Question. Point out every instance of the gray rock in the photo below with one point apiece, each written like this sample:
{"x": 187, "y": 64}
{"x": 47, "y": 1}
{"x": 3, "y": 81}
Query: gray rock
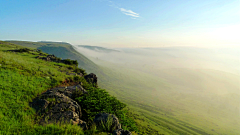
{"x": 72, "y": 91}
{"x": 121, "y": 132}
{"x": 103, "y": 118}
{"x": 56, "y": 106}
{"x": 50, "y": 58}
{"x": 91, "y": 78}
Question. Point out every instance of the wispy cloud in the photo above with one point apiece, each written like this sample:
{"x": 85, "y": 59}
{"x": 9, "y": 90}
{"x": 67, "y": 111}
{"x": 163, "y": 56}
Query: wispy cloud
{"x": 129, "y": 12}
{"x": 134, "y": 15}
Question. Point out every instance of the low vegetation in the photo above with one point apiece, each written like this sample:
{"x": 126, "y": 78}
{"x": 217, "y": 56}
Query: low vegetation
{"x": 23, "y": 77}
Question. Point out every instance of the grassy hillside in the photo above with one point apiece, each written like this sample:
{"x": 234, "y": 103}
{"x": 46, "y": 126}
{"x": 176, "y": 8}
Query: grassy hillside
{"x": 142, "y": 123}
{"x": 164, "y": 102}
{"x": 23, "y": 77}
{"x": 175, "y": 100}
{"x": 174, "y": 111}
{"x": 62, "y": 50}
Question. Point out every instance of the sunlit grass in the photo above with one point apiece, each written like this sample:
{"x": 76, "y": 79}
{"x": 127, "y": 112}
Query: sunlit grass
{"x": 23, "y": 77}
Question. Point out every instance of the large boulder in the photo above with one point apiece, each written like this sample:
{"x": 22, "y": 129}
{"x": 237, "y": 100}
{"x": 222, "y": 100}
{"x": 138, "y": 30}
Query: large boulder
{"x": 91, "y": 78}
{"x": 107, "y": 120}
{"x": 56, "y": 106}
{"x": 72, "y": 91}
{"x": 121, "y": 132}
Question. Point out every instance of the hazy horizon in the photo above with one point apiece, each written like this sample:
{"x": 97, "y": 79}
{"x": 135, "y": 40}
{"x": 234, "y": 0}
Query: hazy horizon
{"x": 115, "y": 23}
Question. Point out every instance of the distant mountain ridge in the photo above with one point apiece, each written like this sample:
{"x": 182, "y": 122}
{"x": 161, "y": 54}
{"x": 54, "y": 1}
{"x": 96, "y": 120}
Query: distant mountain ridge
{"x": 98, "y": 48}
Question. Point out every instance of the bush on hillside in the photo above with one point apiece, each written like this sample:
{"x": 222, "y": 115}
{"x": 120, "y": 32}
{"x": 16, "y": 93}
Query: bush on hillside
{"x": 24, "y": 50}
{"x": 79, "y": 70}
{"x": 99, "y": 101}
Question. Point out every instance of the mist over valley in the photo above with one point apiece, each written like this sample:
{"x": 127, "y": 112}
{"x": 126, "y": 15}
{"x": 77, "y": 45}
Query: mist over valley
{"x": 199, "y": 86}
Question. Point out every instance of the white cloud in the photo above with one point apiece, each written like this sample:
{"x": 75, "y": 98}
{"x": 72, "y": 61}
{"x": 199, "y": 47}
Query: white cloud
{"x": 134, "y": 15}
{"x": 129, "y": 12}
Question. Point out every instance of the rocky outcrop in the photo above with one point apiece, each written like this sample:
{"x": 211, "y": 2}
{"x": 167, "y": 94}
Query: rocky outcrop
{"x": 57, "y": 106}
{"x": 121, "y": 132}
{"x": 91, "y": 78}
{"x": 105, "y": 118}
{"x": 49, "y": 58}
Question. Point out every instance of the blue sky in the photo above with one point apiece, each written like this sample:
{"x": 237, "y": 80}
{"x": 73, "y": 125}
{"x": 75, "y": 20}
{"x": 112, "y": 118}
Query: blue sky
{"x": 122, "y": 23}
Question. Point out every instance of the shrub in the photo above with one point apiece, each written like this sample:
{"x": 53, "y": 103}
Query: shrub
{"x": 70, "y": 62}
{"x": 98, "y": 101}
{"x": 24, "y": 50}
{"x": 79, "y": 70}
{"x": 106, "y": 126}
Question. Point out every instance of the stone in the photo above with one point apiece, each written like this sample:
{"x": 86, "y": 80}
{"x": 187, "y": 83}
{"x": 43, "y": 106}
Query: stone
{"x": 57, "y": 106}
{"x": 102, "y": 118}
{"x": 72, "y": 91}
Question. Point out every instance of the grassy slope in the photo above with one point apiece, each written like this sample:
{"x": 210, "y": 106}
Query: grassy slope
{"x": 115, "y": 81}
{"x": 22, "y": 78}
{"x": 67, "y": 51}
{"x": 182, "y": 113}
{"x": 165, "y": 117}
{"x": 140, "y": 95}
{"x": 64, "y": 51}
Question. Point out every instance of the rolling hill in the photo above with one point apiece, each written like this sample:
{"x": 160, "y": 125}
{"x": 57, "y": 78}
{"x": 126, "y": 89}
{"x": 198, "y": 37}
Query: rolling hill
{"x": 175, "y": 100}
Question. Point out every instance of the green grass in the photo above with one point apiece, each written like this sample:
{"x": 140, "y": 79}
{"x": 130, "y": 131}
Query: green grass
{"x": 16, "y": 117}
{"x": 23, "y": 77}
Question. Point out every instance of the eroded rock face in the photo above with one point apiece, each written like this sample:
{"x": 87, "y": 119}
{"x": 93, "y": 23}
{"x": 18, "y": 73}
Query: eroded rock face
{"x": 121, "y": 132}
{"x": 57, "y": 106}
{"x": 102, "y": 118}
{"x": 91, "y": 78}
